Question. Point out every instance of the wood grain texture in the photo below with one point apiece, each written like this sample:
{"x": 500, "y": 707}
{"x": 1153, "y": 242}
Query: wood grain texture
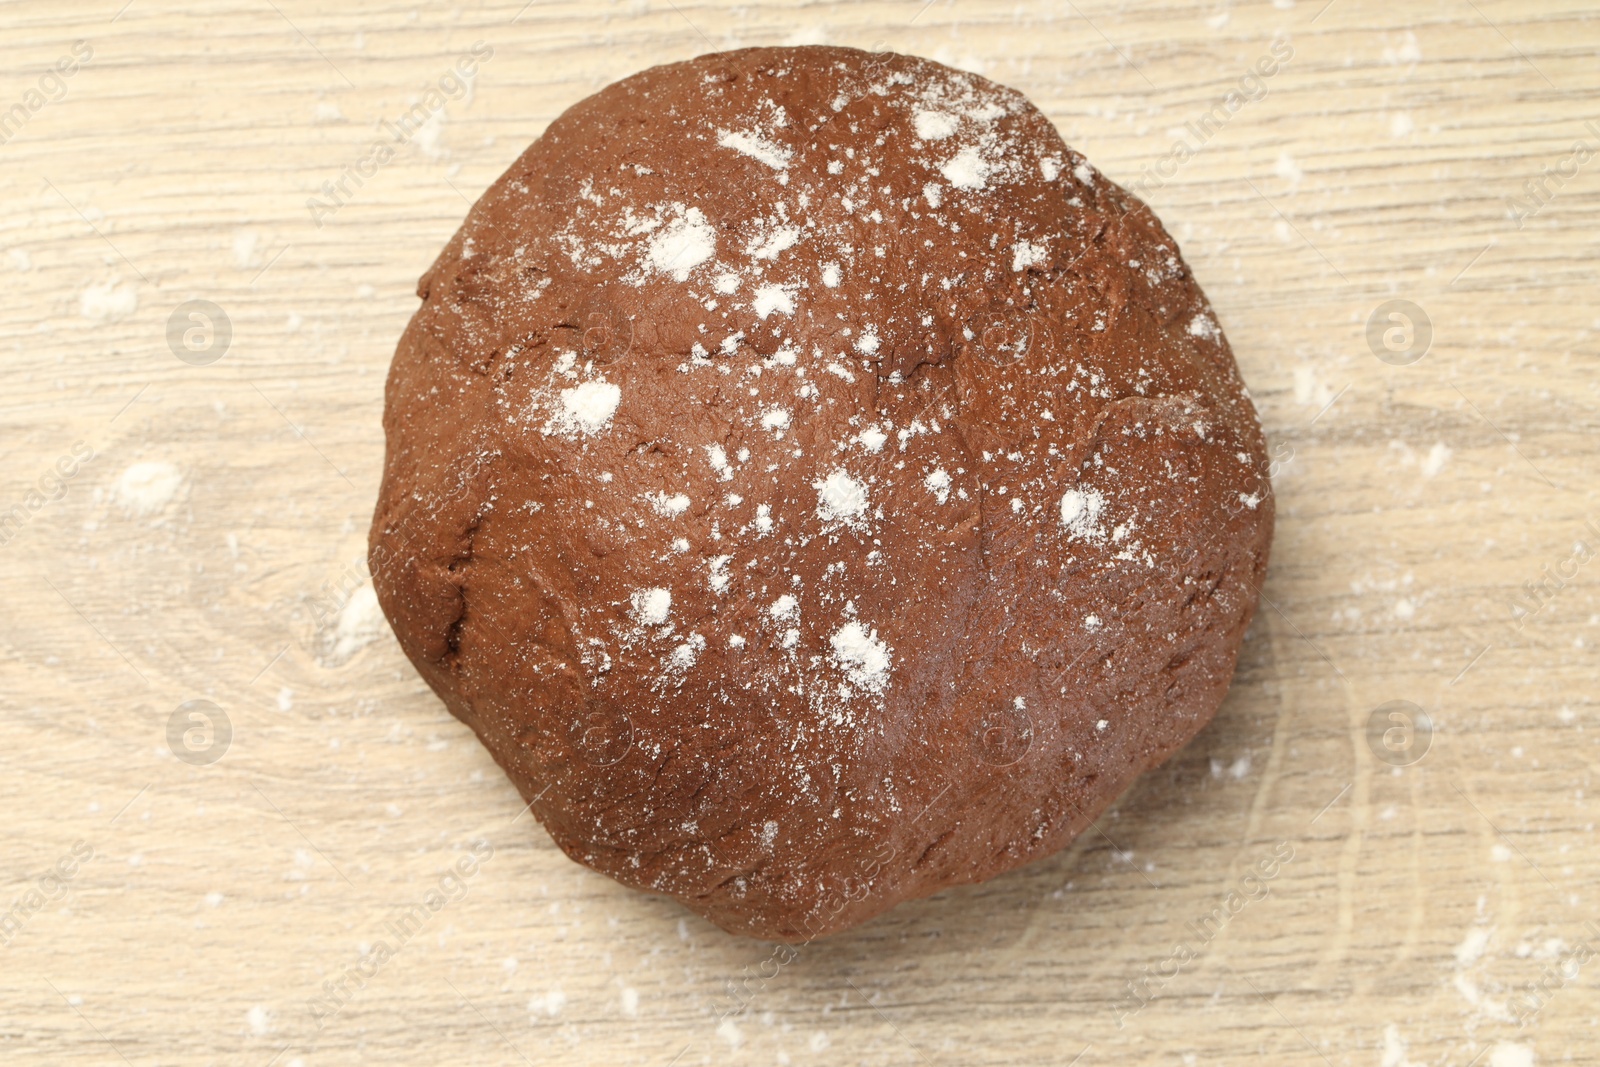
{"x": 1422, "y": 904}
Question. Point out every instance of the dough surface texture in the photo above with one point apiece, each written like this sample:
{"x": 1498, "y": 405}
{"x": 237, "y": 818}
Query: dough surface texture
{"x": 817, "y": 485}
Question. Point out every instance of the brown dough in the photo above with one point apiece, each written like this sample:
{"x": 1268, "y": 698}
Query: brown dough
{"x": 817, "y": 485}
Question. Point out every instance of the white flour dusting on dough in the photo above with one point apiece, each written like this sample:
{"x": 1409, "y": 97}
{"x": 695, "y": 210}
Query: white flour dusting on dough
{"x": 1080, "y": 513}
{"x": 840, "y": 497}
{"x": 865, "y": 658}
{"x": 685, "y": 243}
{"x": 588, "y": 408}
{"x": 651, "y": 606}
{"x": 756, "y": 147}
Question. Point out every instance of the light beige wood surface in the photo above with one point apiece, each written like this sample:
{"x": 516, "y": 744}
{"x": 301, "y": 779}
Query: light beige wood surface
{"x": 224, "y": 509}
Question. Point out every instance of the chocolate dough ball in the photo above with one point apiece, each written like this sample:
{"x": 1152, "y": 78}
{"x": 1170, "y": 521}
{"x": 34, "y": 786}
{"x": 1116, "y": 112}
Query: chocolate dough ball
{"x": 817, "y": 485}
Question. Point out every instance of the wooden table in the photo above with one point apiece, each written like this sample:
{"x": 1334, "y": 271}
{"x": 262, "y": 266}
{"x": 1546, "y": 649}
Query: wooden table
{"x": 207, "y": 544}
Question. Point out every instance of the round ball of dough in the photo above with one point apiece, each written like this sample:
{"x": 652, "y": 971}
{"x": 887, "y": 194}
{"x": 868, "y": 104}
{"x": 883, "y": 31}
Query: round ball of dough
{"x": 817, "y": 485}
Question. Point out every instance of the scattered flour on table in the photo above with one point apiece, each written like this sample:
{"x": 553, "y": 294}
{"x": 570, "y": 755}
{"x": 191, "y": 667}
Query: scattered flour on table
{"x": 1436, "y": 459}
{"x": 1511, "y": 1054}
{"x": 547, "y": 1004}
{"x": 359, "y": 623}
{"x": 1472, "y": 946}
{"x": 244, "y": 249}
{"x": 147, "y": 488}
{"x": 429, "y": 137}
{"x": 1394, "y": 1049}
{"x": 109, "y": 301}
